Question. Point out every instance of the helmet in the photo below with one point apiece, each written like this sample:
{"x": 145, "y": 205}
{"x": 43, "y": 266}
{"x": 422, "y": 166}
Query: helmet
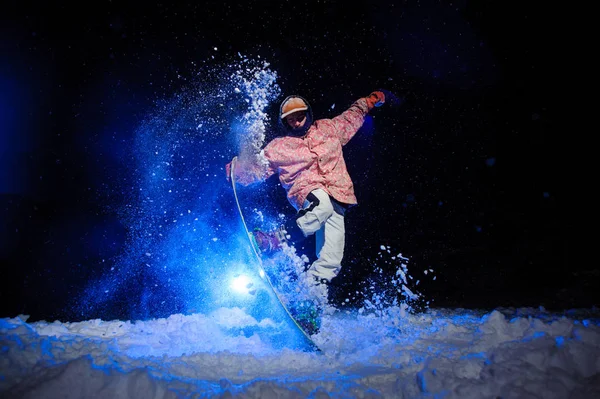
{"x": 290, "y": 105}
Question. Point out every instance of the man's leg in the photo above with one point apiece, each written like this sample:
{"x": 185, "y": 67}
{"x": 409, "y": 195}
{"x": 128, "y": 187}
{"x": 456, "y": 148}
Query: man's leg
{"x": 317, "y": 209}
{"x": 325, "y": 217}
{"x": 330, "y": 242}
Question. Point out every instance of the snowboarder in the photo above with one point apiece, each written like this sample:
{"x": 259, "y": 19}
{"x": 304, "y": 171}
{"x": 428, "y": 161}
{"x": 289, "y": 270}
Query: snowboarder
{"x": 312, "y": 170}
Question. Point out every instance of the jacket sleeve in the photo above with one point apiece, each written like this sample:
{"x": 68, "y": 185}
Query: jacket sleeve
{"x": 347, "y": 124}
{"x": 252, "y": 169}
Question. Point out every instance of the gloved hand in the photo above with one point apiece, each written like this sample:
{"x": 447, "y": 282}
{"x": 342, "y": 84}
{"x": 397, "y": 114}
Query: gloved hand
{"x": 375, "y": 99}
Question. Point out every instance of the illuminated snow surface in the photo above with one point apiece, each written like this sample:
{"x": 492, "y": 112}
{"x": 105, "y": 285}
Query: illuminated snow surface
{"x": 451, "y": 353}
{"x": 220, "y": 348}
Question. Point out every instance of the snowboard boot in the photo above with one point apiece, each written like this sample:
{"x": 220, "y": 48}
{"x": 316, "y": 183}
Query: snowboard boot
{"x": 307, "y": 315}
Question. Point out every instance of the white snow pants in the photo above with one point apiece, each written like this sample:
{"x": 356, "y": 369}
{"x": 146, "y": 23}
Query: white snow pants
{"x": 327, "y": 221}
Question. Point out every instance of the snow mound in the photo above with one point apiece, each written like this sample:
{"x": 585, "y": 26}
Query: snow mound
{"x": 450, "y": 353}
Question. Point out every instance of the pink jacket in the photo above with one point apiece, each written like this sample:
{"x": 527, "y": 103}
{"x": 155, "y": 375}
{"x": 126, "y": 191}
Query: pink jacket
{"x": 312, "y": 161}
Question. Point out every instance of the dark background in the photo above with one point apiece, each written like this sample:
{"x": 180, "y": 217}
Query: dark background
{"x": 466, "y": 177}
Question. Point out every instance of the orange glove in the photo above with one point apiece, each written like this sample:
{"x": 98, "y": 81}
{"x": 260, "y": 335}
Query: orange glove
{"x": 375, "y": 99}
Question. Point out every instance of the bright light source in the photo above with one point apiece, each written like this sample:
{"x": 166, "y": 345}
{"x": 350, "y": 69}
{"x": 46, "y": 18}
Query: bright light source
{"x": 241, "y": 283}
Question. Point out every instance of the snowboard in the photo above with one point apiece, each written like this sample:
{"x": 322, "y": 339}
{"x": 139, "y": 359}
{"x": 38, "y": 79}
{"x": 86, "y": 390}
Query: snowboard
{"x": 304, "y": 316}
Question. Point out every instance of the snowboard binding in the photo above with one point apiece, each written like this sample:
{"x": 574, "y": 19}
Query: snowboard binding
{"x": 308, "y": 316}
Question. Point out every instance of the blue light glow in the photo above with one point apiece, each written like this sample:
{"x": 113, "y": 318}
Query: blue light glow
{"x": 241, "y": 284}
{"x": 184, "y": 237}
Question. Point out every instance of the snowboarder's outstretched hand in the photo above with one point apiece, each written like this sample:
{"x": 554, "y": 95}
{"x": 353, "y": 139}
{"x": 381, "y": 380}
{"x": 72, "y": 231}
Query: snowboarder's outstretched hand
{"x": 375, "y": 99}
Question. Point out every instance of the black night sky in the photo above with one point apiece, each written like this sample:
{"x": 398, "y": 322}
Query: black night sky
{"x": 462, "y": 177}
